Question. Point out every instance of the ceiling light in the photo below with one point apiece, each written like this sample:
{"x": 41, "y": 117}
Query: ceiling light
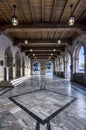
{"x": 33, "y": 54}
{"x": 31, "y": 50}
{"x": 26, "y": 41}
{"x": 54, "y": 49}
{"x": 71, "y": 20}
{"x": 59, "y": 41}
{"x": 51, "y": 54}
{"x": 14, "y": 17}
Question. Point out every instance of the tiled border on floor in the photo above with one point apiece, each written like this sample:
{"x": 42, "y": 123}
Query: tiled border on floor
{"x": 35, "y": 116}
{"x": 6, "y": 90}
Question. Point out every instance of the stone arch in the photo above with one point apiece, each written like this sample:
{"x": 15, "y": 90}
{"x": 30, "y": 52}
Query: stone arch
{"x": 8, "y": 64}
{"x": 18, "y": 64}
{"x": 68, "y": 60}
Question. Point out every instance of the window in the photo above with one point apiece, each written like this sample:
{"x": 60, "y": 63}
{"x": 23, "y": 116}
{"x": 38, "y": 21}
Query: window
{"x": 36, "y": 67}
{"x": 80, "y": 60}
{"x": 49, "y": 68}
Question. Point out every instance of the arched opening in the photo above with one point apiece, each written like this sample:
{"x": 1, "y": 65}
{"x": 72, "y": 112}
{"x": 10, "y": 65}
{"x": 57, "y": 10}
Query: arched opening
{"x": 9, "y": 64}
{"x": 36, "y": 68}
{"x": 68, "y": 66}
{"x": 23, "y": 66}
{"x": 18, "y": 65}
{"x": 80, "y": 59}
{"x": 49, "y": 68}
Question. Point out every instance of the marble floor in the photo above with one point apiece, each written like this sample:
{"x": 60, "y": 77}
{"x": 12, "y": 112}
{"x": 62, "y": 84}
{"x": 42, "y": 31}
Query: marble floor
{"x": 43, "y": 98}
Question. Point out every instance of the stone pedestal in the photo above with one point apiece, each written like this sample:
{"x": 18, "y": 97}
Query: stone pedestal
{"x": 6, "y": 84}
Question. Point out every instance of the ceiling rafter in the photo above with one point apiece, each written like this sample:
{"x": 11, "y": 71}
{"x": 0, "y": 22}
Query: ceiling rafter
{"x": 42, "y": 57}
{"x": 42, "y": 10}
{"x": 32, "y": 10}
{"x": 21, "y": 10}
{"x": 53, "y": 11}
{"x": 66, "y": 4}
{"x": 36, "y": 49}
{"x": 81, "y": 15}
{"x": 77, "y": 6}
{"x": 48, "y": 35}
{"x": 3, "y": 15}
{"x": 60, "y": 34}
{"x": 43, "y": 28}
{"x": 7, "y": 3}
{"x": 54, "y": 34}
{"x": 31, "y": 41}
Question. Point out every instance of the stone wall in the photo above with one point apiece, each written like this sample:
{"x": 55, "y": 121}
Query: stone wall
{"x": 79, "y": 78}
{"x": 6, "y": 42}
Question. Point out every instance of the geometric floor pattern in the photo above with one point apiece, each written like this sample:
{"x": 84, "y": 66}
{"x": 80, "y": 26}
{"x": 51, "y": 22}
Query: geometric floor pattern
{"x": 43, "y": 103}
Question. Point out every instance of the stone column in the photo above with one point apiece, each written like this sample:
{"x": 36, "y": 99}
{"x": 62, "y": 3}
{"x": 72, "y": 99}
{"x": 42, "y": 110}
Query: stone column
{"x": 85, "y": 69}
{"x": 71, "y": 67}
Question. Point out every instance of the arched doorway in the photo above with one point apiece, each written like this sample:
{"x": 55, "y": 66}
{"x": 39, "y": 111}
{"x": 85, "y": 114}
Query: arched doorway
{"x": 49, "y": 68}
{"x": 68, "y": 66}
{"x": 8, "y": 64}
{"x": 36, "y": 68}
{"x": 18, "y": 64}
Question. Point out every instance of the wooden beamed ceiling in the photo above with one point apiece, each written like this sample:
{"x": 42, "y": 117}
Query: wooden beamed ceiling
{"x": 45, "y": 21}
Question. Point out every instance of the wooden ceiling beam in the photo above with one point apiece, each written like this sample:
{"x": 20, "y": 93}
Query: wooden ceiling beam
{"x": 32, "y": 10}
{"x": 31, "y": 41}
{"x": 46, "y": 55}
{"x": 21, "y": 10}
{"x": 42, "y": 45}
{"x": 43, "y": 57}
{"x": 42, "y": 54}
{"x": 4, "y": 17}
{"x": 7, "y": 3}
{"x": 49, "y": 50}
{"x": 42, "y": 10}
{"x": 42, "y": 28}
{"x": 81, "y": 14}
{"x": 78, "y": 7}
{"x": 53, "y": 11}
{"x": 40, "y": 49}
{"x": 65, "y": 7}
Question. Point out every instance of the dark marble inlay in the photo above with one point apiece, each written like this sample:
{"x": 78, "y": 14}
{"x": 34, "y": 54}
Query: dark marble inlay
{"x": 43, "y": 105}
{"x": 5, "y": 90}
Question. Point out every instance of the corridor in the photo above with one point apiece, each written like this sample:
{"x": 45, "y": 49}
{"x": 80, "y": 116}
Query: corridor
{"x": 49, "y": 98}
